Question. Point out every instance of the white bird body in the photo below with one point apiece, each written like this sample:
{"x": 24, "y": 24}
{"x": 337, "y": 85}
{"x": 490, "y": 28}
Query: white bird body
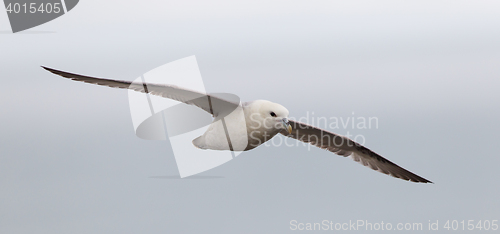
{"x": 215, "y": 137}
{"x": 248, "y": 126}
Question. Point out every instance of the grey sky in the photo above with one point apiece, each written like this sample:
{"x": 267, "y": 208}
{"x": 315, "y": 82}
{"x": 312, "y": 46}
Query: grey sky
{"x": 428, "y": 70}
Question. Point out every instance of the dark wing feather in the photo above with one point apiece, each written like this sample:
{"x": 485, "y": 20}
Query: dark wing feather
{"x": 209, "y": 103}
{"x": 348, "y": 148}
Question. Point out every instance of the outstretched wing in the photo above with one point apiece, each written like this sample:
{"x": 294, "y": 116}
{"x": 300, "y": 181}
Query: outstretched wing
{"x": 207, "y": 102}
{"x": 346, "y": 147}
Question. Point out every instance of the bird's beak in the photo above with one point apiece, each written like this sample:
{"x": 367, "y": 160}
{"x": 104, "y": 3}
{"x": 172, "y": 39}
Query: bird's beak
{"x": 286, "y": 125}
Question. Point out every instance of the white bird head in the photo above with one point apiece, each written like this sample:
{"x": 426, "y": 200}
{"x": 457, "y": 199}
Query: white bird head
{"x": 271, "y": 115}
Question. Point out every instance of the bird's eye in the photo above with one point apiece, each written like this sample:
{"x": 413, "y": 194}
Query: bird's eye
{"x": 273, "y": 114}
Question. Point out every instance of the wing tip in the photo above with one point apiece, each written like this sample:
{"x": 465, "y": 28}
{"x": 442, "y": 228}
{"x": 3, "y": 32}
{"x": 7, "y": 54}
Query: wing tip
{"x": 64, "y": 74}
{"x": 47, "y": 68}
{"x": 54, "y": 71}
{"x": 425, "y": 181}
{"x": 420, "y": 180}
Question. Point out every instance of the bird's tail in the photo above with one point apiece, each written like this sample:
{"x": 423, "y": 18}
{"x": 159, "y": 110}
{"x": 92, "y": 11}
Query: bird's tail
{"x": 199, "y": 142}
